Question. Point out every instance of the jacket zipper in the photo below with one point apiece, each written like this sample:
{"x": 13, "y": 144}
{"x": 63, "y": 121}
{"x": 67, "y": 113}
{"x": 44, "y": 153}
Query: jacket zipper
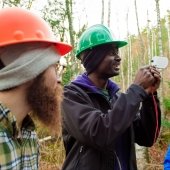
{"x": 120, "y": 167}
{"x": 80, "y": 152}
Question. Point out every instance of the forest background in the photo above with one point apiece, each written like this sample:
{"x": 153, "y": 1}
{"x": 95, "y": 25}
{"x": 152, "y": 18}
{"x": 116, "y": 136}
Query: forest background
{"x": 150, "y": 39}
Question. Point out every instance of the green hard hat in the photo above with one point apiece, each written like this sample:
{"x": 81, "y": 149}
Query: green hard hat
{"x": 97, "y": 35}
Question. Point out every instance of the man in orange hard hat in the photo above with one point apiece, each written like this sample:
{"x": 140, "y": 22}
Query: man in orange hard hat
{"x": 28, "y": 85}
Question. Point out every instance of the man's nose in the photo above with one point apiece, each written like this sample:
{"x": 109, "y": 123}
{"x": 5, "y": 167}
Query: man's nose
{"x": 59, "y": 78}
{"x": 118, "y": 58}
{"x": 60, "y": 74}
{"x": 59, "y": 81}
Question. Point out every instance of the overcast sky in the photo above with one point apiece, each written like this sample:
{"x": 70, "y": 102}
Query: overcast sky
{"x": 89, "y": 11}
{"x": 119, "y": 11}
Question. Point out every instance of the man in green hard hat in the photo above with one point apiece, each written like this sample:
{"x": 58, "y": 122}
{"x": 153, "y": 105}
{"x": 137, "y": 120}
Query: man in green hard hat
{"x": 101, "y": 124}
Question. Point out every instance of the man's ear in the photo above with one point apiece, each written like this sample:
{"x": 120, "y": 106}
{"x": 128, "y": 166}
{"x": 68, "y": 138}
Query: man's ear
{"x": 82, "y": 54}
{"x": 81, "y": 57}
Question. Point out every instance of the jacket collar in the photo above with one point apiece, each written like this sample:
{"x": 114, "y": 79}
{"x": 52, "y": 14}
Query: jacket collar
{"x": 84, "y": 81}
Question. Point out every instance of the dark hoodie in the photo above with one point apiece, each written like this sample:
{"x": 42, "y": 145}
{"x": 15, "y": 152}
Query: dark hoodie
{"x": 122, "y": 149}
{"x": 106, "y": 128}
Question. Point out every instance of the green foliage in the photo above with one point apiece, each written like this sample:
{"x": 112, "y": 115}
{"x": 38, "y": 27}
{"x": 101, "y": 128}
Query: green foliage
{"x": 168, "y": 83}
{"x": 165, "y": 135}
{"x": 166, "y": 102}
{"x": 72, "y": 70}
{"x": 18, "y": 3}
{"x": 67, "y": 76}
{"x": 165, "y": 123}
{"x": 15, "y": 2}
{"x": 55, "y": 15}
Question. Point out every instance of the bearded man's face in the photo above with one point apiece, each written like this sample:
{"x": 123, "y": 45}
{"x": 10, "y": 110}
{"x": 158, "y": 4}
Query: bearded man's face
{"x": 44, "y": 97}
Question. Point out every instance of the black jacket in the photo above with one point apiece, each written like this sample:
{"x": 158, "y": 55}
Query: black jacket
{"x": 92, "y": 125}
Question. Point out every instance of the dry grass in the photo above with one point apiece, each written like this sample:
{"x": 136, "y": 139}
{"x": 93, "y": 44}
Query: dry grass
{"x": 52, "y": 154}
{"x": 153, "y": 167}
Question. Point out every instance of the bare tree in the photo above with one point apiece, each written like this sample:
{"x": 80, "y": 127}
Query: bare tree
{"x": 159, "y": 28}
{"x": 160, "y": 46}
{"x": 102, "y": 17}
{"x": 69, "y": 6}
{"x": 142, "y": 48}
{"x": 154, "y": 47}
{"x": 149, "y": 37}
{"x": 168, "y": 29}
{"x": 129, "y": 51}
{"x": 69, "y": 13}
{"x": 109, "y": 12}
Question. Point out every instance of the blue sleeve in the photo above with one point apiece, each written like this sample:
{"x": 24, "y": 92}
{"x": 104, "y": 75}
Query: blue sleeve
{"x": 167, "y": 160}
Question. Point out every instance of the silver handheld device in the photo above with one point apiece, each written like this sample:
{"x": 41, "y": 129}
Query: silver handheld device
{"x": 159, "y": 62}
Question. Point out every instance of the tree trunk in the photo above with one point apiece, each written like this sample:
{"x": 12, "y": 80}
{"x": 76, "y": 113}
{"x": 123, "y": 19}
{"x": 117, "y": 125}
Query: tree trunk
{"x": 149, "y": 39}
{"x": 109, "y": 13}
{"x": 69, "y": 13}
{"x": 154, "y": 47}
{"x": 160, "y": 46}
{"x": 159, "y": 29}
{"x": 142, "y": 49}
{"x": 70, "y": 20}
{"x": 168, "y": 29}
{"x": 102, "y": 17}
{"x": 129, "y": 50}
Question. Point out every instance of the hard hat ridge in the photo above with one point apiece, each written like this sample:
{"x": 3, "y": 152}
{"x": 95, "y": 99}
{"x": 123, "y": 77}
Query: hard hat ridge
{"x": 18, "y": 25}
{"x": 97, "y": 35}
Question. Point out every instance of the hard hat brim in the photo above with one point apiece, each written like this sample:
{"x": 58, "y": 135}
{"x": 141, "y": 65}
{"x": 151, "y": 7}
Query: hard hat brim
{"x": 61, "y": 48}
{"x": 119, "y": 44}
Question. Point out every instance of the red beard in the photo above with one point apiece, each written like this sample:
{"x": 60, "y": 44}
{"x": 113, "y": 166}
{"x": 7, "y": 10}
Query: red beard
{"x": 45, "y": 102}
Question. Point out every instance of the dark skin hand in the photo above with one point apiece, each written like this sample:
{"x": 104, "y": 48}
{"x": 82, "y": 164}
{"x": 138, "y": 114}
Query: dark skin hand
{"x": 149, "y": 78}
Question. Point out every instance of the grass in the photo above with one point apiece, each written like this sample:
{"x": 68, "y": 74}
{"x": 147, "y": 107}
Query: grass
{"x": 52, "y": 154}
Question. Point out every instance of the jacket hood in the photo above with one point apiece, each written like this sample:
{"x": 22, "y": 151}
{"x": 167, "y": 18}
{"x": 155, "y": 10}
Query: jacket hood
{"x": 84, "y": 81}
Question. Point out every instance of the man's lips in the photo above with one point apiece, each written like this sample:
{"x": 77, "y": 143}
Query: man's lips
{"x": 116, "y": 66}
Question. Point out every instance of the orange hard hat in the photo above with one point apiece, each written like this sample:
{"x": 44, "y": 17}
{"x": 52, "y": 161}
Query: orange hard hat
{"x": 19, "y": 25}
